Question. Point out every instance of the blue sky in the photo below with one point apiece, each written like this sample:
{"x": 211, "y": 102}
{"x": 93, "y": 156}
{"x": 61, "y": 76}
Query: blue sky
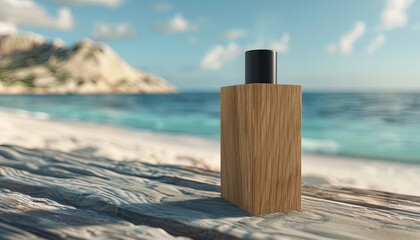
{"x": 323, "y": 45}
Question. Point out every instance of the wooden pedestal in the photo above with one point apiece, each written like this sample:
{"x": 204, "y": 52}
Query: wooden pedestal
{"x": 261, "y": 147}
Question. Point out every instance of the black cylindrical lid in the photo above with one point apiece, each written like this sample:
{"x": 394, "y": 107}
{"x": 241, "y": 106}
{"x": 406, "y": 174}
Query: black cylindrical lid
{"x": 261, "y": 66}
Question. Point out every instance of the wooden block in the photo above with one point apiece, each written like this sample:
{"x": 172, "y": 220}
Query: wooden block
{"x": 261, "y": 147}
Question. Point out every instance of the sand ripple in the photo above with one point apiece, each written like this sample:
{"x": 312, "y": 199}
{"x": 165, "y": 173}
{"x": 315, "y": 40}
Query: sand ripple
{"x": 51, "y": 194}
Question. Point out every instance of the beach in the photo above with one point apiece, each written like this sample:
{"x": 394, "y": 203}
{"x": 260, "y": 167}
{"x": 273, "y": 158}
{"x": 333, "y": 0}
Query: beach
{"x": 65, "y": 179}
{"x": 37, "y": 131}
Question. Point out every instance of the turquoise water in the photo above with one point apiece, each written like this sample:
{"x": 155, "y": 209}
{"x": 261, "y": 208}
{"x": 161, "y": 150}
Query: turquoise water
{"x": 371, "y": 125}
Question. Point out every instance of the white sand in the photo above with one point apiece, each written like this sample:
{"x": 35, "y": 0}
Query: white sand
{"x": 36, "y": 131}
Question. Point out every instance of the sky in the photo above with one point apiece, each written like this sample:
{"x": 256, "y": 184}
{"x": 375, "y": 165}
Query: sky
{"x": 324, "y": 45}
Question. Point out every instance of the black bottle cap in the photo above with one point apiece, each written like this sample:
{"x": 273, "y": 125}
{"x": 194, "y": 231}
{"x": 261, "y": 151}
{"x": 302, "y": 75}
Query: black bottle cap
{"x": 261, "y": 66}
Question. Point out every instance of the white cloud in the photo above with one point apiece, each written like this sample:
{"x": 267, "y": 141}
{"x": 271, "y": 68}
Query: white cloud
{"x": 235, "y": 34}
{"x": 7, "y": 28}
{"x": 376, "y": 43}
{"x": 177, "y": 24}
{"x": 346, "y": 42}
{"x": 108, "y": 3}
{"x": 281, "y": 46}
{"x": 162, "y": 7}
{"x": 394, "y": 15}
{"x": 28, "y": 13}
{"x": 217, "y": 56}
{"x": 104, "y": 31}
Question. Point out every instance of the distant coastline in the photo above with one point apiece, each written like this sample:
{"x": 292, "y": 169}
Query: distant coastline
{"x": 175, "y": 91}
{"x": 31, "y": 65}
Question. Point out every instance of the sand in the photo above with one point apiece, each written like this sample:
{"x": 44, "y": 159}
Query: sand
{"x": 35, "y": 130}
{"x": 55, "y": 195}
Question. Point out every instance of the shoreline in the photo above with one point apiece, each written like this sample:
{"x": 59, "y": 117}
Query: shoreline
{"x": 120, "y": 144}
{"x": 45, "y": 116}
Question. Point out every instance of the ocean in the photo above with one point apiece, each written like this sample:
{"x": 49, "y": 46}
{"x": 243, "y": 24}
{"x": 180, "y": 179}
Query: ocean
{"x": 369, "y": 125}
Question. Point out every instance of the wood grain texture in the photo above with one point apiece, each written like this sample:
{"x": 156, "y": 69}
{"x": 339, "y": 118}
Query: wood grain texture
{"x": 47, "y": 194}
{"x": 261, "y": 147}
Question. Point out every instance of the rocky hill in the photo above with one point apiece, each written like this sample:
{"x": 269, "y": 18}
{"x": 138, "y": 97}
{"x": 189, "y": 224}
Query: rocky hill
{"x": 29, "y": 64}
